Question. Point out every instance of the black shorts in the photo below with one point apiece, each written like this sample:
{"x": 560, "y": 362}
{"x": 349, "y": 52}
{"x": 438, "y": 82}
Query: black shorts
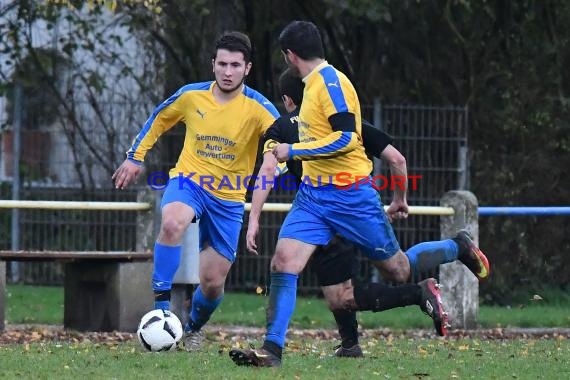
{"x": 335, "y": 262}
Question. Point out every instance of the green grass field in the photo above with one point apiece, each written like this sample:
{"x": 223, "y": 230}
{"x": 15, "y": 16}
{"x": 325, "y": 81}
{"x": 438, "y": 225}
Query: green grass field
{"x": 397, "y": 358}
{"x": 32, "y": 304}
{"x": 391, "y": 356}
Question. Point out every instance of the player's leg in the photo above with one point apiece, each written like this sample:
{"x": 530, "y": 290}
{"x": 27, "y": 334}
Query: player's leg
{"x": 179, "y": 206}
{"x": 355, "y": 296}
{"x": 371, "y": 230}
{"x": 220, "y": 226}
{"x": 302, "y": 230}
{"x": 289, "y": 259}
{"x": 214, "y": 269}
{"x": 334, "y": 265}
{"x": 427, "y": 256}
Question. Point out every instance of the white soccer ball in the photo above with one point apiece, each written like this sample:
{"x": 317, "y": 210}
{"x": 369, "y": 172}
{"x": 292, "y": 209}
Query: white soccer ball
{"x": 159, "y": 330}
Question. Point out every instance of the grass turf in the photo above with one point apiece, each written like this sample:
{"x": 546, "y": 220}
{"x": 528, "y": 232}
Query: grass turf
{"x": 398, "y": 358}
{"x": 37, "y": 304}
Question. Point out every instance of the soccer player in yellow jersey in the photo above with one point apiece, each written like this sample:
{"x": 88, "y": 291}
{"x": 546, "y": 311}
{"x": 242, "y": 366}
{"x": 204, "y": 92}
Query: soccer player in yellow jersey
{"x": 337, "y": 197}
{"x": 224, "y": 121}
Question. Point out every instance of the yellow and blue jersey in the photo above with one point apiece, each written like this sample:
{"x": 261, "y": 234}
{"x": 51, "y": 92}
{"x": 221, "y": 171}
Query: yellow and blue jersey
{"x": 327, "y": 153}
{"x": 221, "y": 140}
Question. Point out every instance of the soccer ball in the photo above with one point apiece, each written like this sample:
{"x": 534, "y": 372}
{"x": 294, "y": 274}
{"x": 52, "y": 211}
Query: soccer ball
{"x": 159, "y": 330}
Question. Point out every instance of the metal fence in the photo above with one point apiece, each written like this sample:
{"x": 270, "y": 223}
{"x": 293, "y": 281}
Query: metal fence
{"x": 66, "y": 230}
{"x": 433, "y": 139}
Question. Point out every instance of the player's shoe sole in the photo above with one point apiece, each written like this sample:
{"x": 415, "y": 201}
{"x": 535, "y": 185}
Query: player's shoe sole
{"x": 431, "y": 305}
{"x": 472, "y": 257}
{"x": 254, "y": 357}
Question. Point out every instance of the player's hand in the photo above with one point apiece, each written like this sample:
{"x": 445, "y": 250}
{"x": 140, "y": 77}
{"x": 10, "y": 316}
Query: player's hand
{"x": 281, "y": 152}
{"x": 251, "y": 236}
{"x": 126, "y": 173}
{"x": 397, "y": 210}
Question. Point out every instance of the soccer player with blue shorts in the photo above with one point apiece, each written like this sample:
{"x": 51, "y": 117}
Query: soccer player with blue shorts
{"x": 224, "y": 121}
{"x": 331, "y": 150}
{"x": 335, "y": 265}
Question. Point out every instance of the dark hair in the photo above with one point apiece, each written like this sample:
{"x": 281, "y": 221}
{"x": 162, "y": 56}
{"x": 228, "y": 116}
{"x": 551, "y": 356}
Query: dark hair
{"x": 292, "y": 86}
{"x": 302, "y": 38}
{"x": 234, "y": 41}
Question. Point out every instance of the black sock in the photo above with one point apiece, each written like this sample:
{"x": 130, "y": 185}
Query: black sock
{"x": 162, "y": 295}
{"x": 272, "y": 348}
{"x": 463, "y": 248}
{"x": 378, "y": 297}
{"x": 347, "y": 327}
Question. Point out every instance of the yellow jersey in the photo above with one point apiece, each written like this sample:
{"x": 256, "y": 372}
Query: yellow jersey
{"x": 221, "y": 140}
{"x": 329, "y": 156}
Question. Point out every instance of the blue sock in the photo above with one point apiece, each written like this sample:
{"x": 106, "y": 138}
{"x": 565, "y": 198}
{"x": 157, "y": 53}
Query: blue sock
{"x": 282, "y": 297}
{"x": 164, "y": 305}
{"x": 427, "y": 256}
{"x": 166, "y": 262}
{"x": 202, "y": 309}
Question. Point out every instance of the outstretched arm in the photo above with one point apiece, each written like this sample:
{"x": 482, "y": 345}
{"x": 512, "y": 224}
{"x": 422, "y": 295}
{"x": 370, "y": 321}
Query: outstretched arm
{"x": 126, "y": 173}
{"x": 398, "y": 209}
{"x": 164, "y": 117}
{"x": 263, "y": 186}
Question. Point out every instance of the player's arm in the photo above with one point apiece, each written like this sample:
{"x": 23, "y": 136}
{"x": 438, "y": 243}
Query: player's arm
{"x": 263, "y": 182}
{"x": 398, "y": 171}
{"x": 164, "y": 117}
{"x": 378, "y": 144}
{"x": 374, "y": 140}
{"x": 342, "y": 140}
{"x": 263, "y": 186}
{"x": 398, "y": 209}
{"x": 339, "y": 103}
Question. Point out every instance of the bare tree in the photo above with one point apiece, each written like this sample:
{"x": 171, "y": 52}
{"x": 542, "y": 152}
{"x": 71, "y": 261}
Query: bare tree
{"x": 96, "y": 76}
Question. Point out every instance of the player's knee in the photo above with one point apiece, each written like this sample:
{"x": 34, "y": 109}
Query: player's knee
{"x": 333, "y": 296}
{"x": 399, "y": 275}
{"x": 339, "y": 297}
{"x": 342, "y": 303}
{"x": 334, "y": 304}
{"x": 395, "y": 269}
{"x": 171, "y": 230}
{"x": 283, "y": 262}
{"x": 211, "y": 286}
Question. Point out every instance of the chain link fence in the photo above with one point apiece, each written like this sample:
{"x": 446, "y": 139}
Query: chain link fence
{"x": 433, "y": 140}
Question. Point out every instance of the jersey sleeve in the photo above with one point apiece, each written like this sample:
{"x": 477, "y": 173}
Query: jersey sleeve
{"x": 337, "y": 97}
{"x": 334, "y": 144}
{"x": 374, "y": 140}
{"x": 164, "y": 117}
{"x": 268, "y": 115}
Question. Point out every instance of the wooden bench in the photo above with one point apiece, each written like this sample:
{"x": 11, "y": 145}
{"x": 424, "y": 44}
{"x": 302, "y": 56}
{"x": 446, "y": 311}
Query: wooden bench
{"x": 103, "y": 291}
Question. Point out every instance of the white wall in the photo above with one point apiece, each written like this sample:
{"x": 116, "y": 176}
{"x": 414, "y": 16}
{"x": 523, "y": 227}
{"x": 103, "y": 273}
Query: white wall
{"x": 125, "y": 106}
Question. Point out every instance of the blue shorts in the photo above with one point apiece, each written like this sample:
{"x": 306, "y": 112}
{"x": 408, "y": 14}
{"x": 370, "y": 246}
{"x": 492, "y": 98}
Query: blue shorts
{"x": 220, "y": 220}
{"x": 355, "y": 213}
